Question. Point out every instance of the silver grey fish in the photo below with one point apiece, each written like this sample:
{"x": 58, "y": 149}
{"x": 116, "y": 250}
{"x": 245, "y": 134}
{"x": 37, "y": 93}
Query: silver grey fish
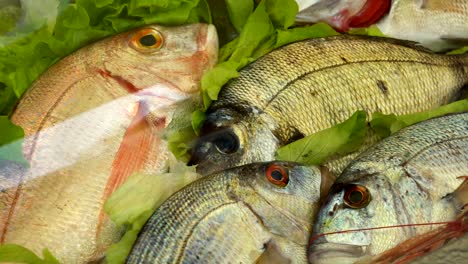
{"x": 412, "y": 177}
{"x": 309, "y": 86}
{"x": 257, "y": 212}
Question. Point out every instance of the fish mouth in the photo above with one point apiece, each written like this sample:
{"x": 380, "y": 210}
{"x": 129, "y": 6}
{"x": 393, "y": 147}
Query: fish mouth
{"x": 328, "y": 252}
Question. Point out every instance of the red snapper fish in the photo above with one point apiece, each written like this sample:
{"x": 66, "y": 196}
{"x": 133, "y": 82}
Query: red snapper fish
{"x": 91, "y": 121}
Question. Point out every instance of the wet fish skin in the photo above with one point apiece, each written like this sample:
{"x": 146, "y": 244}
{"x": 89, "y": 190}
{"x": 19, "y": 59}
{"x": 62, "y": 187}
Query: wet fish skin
{"x": 90, "y": 121}
{"x": 236, "y": 214}
{"x": 342, "y": 14}
{"x": 312, "y": 85}
{"x": 436, "y": 24}
{"x": 411, "y": 176}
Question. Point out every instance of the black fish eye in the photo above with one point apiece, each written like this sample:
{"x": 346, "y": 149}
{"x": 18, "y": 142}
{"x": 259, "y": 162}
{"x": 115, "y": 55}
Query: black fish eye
{"x": 277, "y": 175}
{"x": 356, "y": 196}
{"x": 148, "y": 40}
{"x": 226, "y": 142}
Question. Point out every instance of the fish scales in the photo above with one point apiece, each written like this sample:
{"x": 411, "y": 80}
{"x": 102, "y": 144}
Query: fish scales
{"x": 411, "y": 177}
{"x": 308, "y": 86}
{"x": 316, "y": 74}
{"x": 426, "y": 145}
{"x": 188, "y": 210}
{"x": 241, "y": 214}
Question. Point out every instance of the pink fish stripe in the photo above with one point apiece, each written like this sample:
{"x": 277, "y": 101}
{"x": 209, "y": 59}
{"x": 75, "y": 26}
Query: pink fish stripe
{"x": 132, "y": 154}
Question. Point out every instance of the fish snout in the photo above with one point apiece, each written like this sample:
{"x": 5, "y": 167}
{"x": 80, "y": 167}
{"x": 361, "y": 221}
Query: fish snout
{"x": 323, "y": 252}
{"x": 200, "y": 156}
{"x": 211, "y": 44}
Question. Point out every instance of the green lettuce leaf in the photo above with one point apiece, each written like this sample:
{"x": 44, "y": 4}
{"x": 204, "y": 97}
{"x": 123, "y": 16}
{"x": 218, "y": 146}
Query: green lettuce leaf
{"x": 461, "y": 50}
{"x": 179, "y": 133}
{"x": 11, "y": 141}
{"x": 385, "y": 125}
{"x": 135, "y": 201}
{"x": 18, "y": 254}
{"x": 239, "y": 11}
{"x": 10, "y": 15}
{"x": 340, "y": 139}
{"x": 369, "y": 31}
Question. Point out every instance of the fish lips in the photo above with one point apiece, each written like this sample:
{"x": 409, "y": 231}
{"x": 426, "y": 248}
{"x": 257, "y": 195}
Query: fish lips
{"x": 206, "y": 156}
{"x": 328, "y": 252}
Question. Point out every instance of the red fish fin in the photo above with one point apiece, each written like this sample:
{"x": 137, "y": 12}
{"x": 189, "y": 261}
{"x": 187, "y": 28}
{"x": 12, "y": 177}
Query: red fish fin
{"x": 371, "y": 12}
{"x": 131, "y": 155}
{"x": 425, "y": 243}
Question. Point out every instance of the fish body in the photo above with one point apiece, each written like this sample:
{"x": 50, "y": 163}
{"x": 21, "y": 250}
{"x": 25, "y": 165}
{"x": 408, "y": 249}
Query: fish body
{"x": 436, "y": 24}
{"x": 90, "y": 121}
{"x": 342, "y": 14}
{"x": 257, "y": 212}
{"x": 309, "y": 86}
{"x": 412, "y": 177}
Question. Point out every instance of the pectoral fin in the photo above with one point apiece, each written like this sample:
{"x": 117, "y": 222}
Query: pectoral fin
{"x": 132, "y": 153}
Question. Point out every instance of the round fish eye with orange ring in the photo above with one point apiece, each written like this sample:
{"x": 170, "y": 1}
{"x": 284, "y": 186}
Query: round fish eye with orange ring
{"x": 278, "y": 175}
{"x": 356, "y": 196}
{"x": 147, "y": 40}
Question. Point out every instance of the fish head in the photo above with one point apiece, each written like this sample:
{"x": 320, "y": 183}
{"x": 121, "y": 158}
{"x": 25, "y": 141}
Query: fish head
{"x": 229, "y": 139}
{"x": 286, "y": 196}
{"x": 349, "y": 225}
{"x": 159, "y": 64}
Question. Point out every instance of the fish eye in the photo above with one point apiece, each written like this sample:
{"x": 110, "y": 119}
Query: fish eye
{"x": 356, "y": 196}
{"x": 147, "y": 40}
{"x": 277, "y": 175}
{"x": 226, "y": 142}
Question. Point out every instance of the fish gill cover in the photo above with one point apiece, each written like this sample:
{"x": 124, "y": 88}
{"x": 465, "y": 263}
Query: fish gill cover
{"x": 55, "y": 28}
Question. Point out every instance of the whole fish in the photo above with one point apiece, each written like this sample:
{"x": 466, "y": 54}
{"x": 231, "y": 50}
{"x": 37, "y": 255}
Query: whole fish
{"x": 384, "y": 197}
{"x": 309, "y": 86}
{"x": 90, "y": 121}
{"x": 253, "y": 213}
{"x": 436, "y": 24}
{"x": 342, "y": 14}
